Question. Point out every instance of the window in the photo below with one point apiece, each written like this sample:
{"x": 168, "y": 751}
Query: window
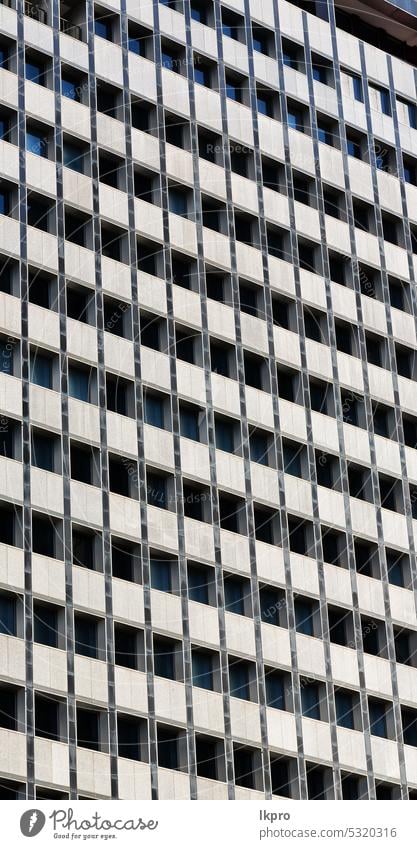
{"x": 234, "y": 594}
{"x": 377, "y": 718}
{"x": 273, "y": 605}
{"x": 225, "y": 435}
{"x": 202, "y": 669}
{"x": 259, "y": 448}
{"x": 36, "y": 143}
{"x": 161, "y": 575}
{"x": 239, "y": 679}
{"x": 88, "y": 729}
{"x": 168, "y": 745}
{"x": 304, "y": 622}
{"x": 125, "y": 559}
{"x": 275, "y": 690}
{"x": 247, "y": 766}
{"x": 70, "y": 89}
{"x": 43, "y": 450}
{"x": 153, "y": 410}
{"x": 353, "y": 148}
{"x": 83, "y": 548}
{"x": 190, "y": 422}
{"x": 129, "y": 737}
{"x": 344, "y": 709}
{"x": 164, "y": 653}
{"x": 295, "y": 119}
{"x": 41, "y": 370}
{"x": 46, "y": 628}
{"x": 86, "y": 637}
{"x": 78, "y": 302}
{"x": 35, "y": 72}
{"x": 261, "y": 39}
{"x": 199, "y": 581}
{"x": 73, "y": 158}
{"x": 324, "y": 132}
{"x": 47, "y": 712}
{"x": 8, "y": 518}
{"x": 9, "y": 697}
{"x": 8, "y": 615}
{"x": 265, "y": 100}
{"x": 4, "y": 202}
{"x": 126, "y": 647}
{"x": 156, "y": 490}
{"x": 357, "y": 88}
{"x": 310, "y": 703}
{"x": 78, "y": 383}
{"x": 292, "y": 453}
{"x": 385, "y": 101}
{"x": 6, "y": 357}
{"x": 103, "y": 28}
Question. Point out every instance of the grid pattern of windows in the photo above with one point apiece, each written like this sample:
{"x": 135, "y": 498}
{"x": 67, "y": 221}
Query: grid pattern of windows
{"x": 208, "y": 421}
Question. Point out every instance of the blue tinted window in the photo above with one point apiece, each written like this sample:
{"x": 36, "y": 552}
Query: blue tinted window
{"x": 324, "y": 135}
{"x": 35, "y": 143}
{"x": 395, "y": 573}
{"x": 3, "y": 57}
{"x": 41, "y": 371}
{"x": 295, "y": 120}
{"x": 233, "y": 596}
{"x": 357, "y": 89}
{"x": 135, "y": 46}
{"x": 354, "y": 149}
{"x": 197, "y": 585}
{"x": 264, "y": 106}
{"x": 197, "y": 14}
{"x": 232, "y": 92}
{"x": 377, "y": 719}
{"x": 344, "y": 710}
{"x": 70, "y": 90}
{"x": 239, "y": 681}
{"x": 202, "y": 671}
{"x": 35, "y": 73}
{"x": 78, "y": 384}
{"x": 154, "y": 411}
{"x": 168, "y": 61}
{"x": 189, "y": 424}
{"x": 177, "y": 202}
{"x": 157, "y": 491}
{"x": 289, "y": 61}
{"x": 385, "y": 102}
{"x": 275, "y": 694}
{"x": 73, "y": 158}
{"x": 225, "y": 436}
{"x": 230, "y": 31}
{"x": 412, "y": 115}
{"x": 161, "y": 575}
{"x": 200, "y": 75}
{"x": 164, "y": 661}
{"x": 259, "y": 449}
{"x": 4, "y": 203}
{"x": 319, "y": 73}
{"x": 7, "y": 616}
{"x": 303, "y": 618}
{"x": 103, "y": 29}
{"x": 310, "y": 701}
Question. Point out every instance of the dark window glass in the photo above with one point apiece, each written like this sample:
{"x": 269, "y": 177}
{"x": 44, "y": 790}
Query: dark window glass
{"x": 7, "y": 615}
{"x": 161, "y": 575}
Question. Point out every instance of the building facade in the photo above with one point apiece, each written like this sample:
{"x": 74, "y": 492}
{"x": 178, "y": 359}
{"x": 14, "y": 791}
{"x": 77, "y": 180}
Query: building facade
{"x": 208, "y": 433}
